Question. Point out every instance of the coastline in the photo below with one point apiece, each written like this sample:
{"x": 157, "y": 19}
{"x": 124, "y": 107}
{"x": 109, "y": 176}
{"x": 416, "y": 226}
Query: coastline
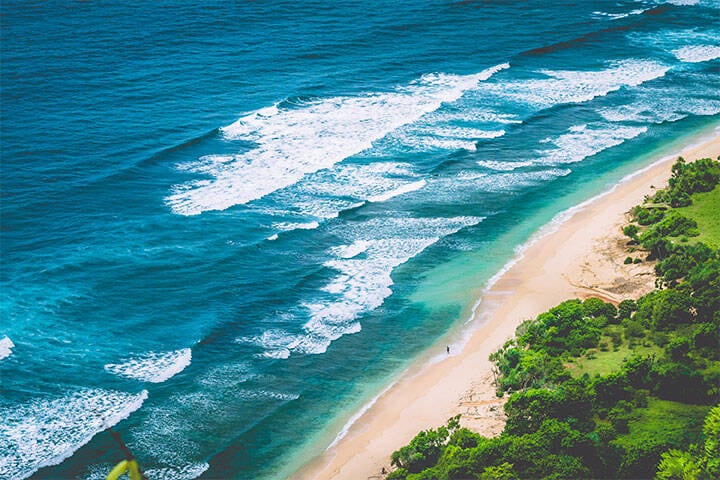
{"x": 575, "y": 255}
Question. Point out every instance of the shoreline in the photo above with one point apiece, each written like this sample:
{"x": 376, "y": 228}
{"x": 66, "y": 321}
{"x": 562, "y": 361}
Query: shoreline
{"x": 573, "y": 255}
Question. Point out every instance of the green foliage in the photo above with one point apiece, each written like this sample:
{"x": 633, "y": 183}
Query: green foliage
{"x": 699, "y": 461}
{"x": 653, "y": 430}
{"x": 703, "y": 283}
{"x": 673, "y": 224}
{"x": 422, "y": 452}
{"x": 711, "y": 450}
{"x": 565, "y": 328}
{"x": 688, "y": 178}
{"x": 629, "y": 411}
{"x": 425, "y": 449}
{"x": 681, "y": 260}
{"x": 647, "y": 216}
{"x": 655, "y": 238}
{"x": 676, "y": 464}
{"x": 398, "y": 474}
{"x": 631, "y": 231}
{"x": 626, "y": 308}
{"x": 704, "y": 210}
{"x": 504, "y": 471}
{"x": 595, "y": 308}
{"x": 664, "y": 309}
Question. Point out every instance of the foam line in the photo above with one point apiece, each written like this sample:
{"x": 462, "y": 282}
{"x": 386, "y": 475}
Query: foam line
{"x": 697, "y": 53}
{"x": 46, "y": 432}
{"x": 186, "y": 472}
{"x": 617, "y": 16}
{"x": 346, "y": 428}
{"x": 578, "y": 86}
{"x": 6, "y": 346}
{"x": 582, "y": 142}
{"x": 504, "y": 166}
{"x": 409, "y": 187}
{"x": 295, "y": 140}
{"x": 153, "y": 367}
{"x": 363, "y": 281}
{"x": 559, "y": 219}
{"x": 288, "y": 226}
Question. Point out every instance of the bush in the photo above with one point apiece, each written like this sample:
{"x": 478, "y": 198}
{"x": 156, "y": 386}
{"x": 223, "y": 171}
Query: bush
{"x": 626, "y": 308}
{"x": 594, "y": 307}
{"x": 645, "y": 216}
{"x": 688, "y": 178}
{"x": 631, "y": 231}
{"x": 422, "y": 452}
{"x": 633, "y": 329}
{"x": 399, "y": 474}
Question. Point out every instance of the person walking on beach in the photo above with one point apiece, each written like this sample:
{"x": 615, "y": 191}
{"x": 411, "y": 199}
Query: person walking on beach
{"x": 448, "y": 349}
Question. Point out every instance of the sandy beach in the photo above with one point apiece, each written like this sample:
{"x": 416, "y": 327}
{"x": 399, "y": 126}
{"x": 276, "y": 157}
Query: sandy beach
{"x": 580, "y": 254}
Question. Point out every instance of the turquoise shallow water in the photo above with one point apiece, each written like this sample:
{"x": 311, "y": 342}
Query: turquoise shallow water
{"x": 226, "y": 226}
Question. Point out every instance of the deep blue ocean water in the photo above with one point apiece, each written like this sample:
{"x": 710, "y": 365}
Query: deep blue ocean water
{"x": 226, "y": 225}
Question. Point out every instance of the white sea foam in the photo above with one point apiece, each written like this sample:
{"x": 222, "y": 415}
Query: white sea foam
{"x": 153, "y": 367}
{"x": 406, "y": 188}
{"x": 364, "y": 267}
{"x": 466, "y": 132}
{"x": 350, "y": 251}
{"x": 356, "y": 181}
{"x": 437, "y": 135}
{"x": 583, "y": 141}
{"x": 504, "y": 182}
{"x": 46, "y": 432}
{"x": 255, "y": 394}
{"x": 616, "y": 16}
{"x": 363, "y": 283}
{"x": 640, "y": 113}
{"x": 170, "y": 433}
{"x": 476, "y": 114}
{"x": 695, "y": 44}
{"x": 185, "y": 472}
{"x": 291, "y": 142}
{"x": 661, "y": 105}
{"x": 578, "y": 86}
{"x": 286, "y": 226}
{"x": 697, "y": 53}
{"x": 275, "y": 342}
{"x": 324, "y": 194}
{"x": 6, "y": 346}
{"x": 503, "y": 166}
{"x": 228, "y": 374}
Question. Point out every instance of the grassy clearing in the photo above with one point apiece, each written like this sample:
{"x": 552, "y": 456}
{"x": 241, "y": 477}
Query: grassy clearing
{"x": 598, "y": 362}
{"x": 664, "y": 422}
{"x": 705, "y": 210}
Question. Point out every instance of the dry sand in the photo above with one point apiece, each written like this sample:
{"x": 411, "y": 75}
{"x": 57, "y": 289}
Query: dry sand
{"x": 579, "y": 255}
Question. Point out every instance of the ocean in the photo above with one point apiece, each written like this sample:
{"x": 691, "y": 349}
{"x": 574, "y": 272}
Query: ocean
{"x": 226, "y": 226}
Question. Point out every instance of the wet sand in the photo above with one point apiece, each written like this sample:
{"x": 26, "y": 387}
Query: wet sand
{"x": 579, "y": 254}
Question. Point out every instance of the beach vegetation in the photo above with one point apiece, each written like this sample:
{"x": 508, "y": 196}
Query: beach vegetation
{"x": 688, "y": 178}
{"x": 598, "y": 391}
{"x": 647, "y": 215}
{"x": 704, "y": 211}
